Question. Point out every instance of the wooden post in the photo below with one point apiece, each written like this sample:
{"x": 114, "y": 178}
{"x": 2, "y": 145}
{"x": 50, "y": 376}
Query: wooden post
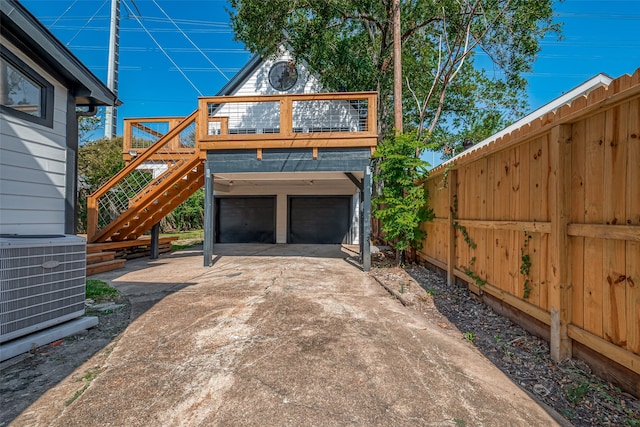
{"x": 286, "y": 116}
{"x": 451, "y": 251}
{"x": 560, "y": 209}
{"x": 92, "y": 218}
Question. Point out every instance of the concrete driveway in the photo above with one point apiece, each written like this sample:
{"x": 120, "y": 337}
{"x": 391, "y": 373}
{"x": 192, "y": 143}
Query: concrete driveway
{"x": 276, "y": 335}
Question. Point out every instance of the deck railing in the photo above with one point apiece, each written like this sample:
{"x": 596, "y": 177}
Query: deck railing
{"x": 142, "y": 133}
{"x": 278, "y": 121}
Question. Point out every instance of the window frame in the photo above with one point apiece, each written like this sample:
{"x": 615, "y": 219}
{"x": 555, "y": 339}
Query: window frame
{"x": 46, "y": 91}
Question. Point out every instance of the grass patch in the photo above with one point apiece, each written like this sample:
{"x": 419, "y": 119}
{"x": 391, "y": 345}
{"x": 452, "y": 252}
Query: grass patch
{"x": 98, "y": 290}
{"x": 186, "y": 239}
{"x": 191, "y": 234}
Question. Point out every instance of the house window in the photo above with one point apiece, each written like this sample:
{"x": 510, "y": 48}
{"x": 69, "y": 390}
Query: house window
{"x": 23, "y": 92}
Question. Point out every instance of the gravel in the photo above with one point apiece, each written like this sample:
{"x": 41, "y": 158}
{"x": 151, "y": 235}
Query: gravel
{"x": 569, "y": 387}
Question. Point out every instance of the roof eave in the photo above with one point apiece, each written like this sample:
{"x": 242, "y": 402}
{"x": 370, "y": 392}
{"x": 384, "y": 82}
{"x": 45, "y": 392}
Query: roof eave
{"x": 21, "y": 24}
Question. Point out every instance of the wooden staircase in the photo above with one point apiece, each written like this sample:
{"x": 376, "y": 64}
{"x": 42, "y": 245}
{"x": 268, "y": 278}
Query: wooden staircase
{"x": 126, "y": 207}
{"x": 157, "y": 200}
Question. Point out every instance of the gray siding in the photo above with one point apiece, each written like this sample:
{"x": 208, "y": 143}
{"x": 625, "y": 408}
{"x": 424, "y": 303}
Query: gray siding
{"x": 33, "y": 167}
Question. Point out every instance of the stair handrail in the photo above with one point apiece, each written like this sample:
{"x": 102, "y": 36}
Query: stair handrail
{"x": 145, "y": 202}
{"x": 92, "y": 200}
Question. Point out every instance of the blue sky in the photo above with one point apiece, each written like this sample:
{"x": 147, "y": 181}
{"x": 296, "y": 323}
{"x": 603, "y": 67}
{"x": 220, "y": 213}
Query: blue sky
{"x": 599, "y": 36}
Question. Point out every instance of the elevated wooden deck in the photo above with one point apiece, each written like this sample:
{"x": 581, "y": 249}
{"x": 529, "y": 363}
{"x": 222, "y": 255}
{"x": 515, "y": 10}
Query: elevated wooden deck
{"x": 165, "y": 155}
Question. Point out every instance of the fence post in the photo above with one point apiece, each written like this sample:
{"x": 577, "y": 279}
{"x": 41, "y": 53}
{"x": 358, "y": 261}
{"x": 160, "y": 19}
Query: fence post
{"x": 560, "y": 209}
{"x": 452, "y": 187}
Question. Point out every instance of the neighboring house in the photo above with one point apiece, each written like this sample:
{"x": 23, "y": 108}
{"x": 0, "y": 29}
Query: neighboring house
{"x": 42, "y": 276}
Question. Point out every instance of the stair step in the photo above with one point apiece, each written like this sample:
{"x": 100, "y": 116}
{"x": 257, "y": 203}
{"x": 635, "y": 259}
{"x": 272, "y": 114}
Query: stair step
{"x": 101, "y": 267}
{"x": 98, "y": 257}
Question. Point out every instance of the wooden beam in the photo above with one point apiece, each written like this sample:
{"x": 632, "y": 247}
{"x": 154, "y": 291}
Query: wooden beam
{"x": 337, "y": 140}
{"x": 451, "y": 248}
{"x": 355, "y": 180}
{"x": 601, "y": 231}
{"x": 525, "y": 307}
{"x": 112, "y": 246}
{"x": 617, "y": 354}
{"x": 441, "y": 265}
{"x": 325, "y": 96}
{"x": 92, "y": 218}
{"x": 259, "y": 153}
{"x": 314, "y": 152}
{"x": 560, "y": 211}
{"x": 529, "y": 226}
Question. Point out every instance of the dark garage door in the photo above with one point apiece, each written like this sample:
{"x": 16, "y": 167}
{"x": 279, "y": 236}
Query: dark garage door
{"x": 319, "y": 219}
{"x": 245, "y": 220}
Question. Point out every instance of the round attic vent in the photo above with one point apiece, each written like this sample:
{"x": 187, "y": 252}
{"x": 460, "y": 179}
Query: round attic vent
{"x": 283, "y": 75}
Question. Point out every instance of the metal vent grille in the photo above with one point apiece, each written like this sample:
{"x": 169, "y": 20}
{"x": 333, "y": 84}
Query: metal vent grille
{"x": 42, "y": 283}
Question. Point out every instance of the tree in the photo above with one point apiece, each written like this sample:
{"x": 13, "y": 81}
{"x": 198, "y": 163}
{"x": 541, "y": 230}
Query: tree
{"x": 87, "y": 125}
{"x": 98, "y": 161}
{"x": 349, "y": 44}
{"x": 401, "y": 204}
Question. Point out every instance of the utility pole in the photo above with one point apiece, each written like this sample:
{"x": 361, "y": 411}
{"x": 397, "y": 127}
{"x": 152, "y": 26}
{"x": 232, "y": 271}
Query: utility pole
{"x": 397, "y": 69}
{"x": 110, "y": 121}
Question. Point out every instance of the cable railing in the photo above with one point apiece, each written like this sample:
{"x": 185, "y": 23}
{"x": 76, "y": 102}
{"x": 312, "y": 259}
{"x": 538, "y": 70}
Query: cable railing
{"x": 270, "y": 121}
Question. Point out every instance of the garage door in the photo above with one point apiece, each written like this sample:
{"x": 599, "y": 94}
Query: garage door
{"x": 321, "y": 220}
{"x": 245, "y": 220}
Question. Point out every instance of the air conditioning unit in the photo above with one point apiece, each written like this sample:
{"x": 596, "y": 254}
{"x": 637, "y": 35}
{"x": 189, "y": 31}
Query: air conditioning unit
{"x": 42, "y": 282}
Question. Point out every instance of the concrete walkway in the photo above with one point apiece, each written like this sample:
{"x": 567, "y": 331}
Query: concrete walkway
{"x": 267, "y": 337}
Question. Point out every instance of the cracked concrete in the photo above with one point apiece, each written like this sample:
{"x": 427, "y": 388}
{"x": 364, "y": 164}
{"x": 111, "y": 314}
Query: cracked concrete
{"x": 280, "y": 335}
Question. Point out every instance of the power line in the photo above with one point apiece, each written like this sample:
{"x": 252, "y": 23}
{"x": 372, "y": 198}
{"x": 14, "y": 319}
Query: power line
{"x": 162, "y": 49}
{"x": 63, "y": 13}
{"x": 87, "y": 23}
{"x": 191, "y": 41}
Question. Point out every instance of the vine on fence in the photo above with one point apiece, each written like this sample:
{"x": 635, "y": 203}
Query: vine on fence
{"x": 525, "y": 266}
{"x": 445, "y": 175}
{"x": 479, "y": 281}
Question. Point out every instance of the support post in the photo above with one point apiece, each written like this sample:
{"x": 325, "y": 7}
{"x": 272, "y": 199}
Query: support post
{"x": 155, "y": 241}
{"x": 209, "y": 216}
{"x": 366, "y": 220}
{"x": 451, "y": 250}
{"x": 361, "y": 224}
{"x": 559, "y": 209}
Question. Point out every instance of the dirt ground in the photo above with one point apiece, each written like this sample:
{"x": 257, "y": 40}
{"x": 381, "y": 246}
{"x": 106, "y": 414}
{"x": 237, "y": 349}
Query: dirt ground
{"x": 568, "y": 389}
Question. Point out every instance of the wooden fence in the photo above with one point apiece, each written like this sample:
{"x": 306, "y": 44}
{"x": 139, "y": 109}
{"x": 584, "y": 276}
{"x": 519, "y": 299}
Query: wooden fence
{"x": 547, "y": 220}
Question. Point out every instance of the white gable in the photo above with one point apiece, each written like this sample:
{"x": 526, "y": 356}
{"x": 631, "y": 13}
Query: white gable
{"x": 258, "y": 82}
